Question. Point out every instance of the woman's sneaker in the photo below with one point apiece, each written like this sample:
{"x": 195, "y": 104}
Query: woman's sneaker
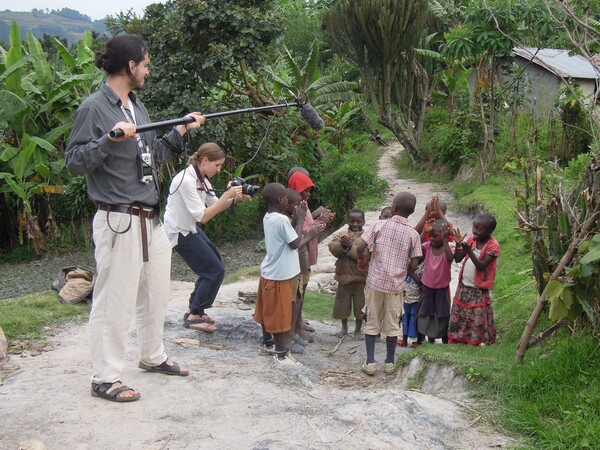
{"x": 266, "y": 351}
{"x": 287, "y": 360}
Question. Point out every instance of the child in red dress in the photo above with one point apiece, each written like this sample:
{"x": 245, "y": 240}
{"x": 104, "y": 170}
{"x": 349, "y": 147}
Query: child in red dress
{"x": 472, "y": 316}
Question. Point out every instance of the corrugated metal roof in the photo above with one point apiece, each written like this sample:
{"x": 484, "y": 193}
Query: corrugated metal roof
{"x": 559, "y": 62}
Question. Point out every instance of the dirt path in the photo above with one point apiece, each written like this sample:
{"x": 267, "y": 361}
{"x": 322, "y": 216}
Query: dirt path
{"x": 235, "y": 398}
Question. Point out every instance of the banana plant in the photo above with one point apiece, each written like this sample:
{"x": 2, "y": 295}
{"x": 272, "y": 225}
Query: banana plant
{"x": 37, "y": 100}
{"x": 338, "y": 120}
{"x": 306, "y": 81}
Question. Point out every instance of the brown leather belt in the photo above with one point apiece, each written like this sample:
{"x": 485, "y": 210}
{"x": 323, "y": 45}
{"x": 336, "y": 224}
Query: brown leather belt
{"x": 125, "y": 209}
{"x": 135, "y": 210}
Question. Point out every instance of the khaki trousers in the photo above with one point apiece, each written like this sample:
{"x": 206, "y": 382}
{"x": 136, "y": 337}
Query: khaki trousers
{"x": 126, "y": 285}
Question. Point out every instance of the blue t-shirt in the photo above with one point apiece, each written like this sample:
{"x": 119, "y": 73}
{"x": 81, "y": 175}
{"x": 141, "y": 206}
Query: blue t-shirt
{"x": 281, "y": 262}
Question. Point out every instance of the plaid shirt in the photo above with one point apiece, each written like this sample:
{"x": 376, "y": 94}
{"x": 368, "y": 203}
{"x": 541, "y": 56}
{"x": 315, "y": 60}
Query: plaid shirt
{"x": 393, "y": 243}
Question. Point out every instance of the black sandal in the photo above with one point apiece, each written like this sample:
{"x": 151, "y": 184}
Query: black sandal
{"x": 165, "y": 368}
{"x": 101, "y": 390}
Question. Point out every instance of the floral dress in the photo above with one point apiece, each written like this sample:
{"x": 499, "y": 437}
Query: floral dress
{"x": 472, "y": 316}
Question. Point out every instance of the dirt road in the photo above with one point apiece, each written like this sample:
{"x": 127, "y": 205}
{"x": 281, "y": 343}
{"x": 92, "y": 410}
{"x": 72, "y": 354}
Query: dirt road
{"x": 235, "y": 398}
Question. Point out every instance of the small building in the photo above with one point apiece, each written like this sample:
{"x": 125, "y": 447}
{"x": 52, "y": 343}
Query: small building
{"x": 548, "y": 70}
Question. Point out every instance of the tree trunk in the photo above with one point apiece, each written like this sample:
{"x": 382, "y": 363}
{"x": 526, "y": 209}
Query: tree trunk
{"x": 35, "y": 234}
{"x": 401, "y": 135}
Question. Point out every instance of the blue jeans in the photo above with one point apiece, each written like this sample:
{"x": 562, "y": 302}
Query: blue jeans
{"x": 409, "y": 319}
{"x": 204, "y": 259}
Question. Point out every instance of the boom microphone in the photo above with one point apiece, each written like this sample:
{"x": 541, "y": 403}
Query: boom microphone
{"x": 311, "y": 117}
{"x": 307, "y": 112}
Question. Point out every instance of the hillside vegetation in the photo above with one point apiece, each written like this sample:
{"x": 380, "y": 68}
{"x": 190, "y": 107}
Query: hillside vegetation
{"x": 53, "y": 24}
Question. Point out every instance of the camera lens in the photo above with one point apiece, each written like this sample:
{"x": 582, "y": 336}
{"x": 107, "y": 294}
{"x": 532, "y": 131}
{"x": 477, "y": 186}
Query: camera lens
{"x": 250, "y": 189}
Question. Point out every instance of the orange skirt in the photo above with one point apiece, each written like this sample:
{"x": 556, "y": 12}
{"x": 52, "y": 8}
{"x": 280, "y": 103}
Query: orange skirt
{"x": 274, "y": 305}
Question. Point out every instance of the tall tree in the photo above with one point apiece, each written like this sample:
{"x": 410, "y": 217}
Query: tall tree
{"x": 209, "y": 55}
{"x": 196, "y": 44}
{"x": 380, "y": 37}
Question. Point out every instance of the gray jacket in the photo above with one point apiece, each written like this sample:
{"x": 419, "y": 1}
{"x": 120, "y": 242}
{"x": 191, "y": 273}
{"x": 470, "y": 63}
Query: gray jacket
{"x": 111, "y": 168}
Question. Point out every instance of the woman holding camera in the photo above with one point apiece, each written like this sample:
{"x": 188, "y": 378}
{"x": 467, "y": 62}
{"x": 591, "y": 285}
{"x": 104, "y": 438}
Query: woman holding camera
{"x": 192, "y": 199}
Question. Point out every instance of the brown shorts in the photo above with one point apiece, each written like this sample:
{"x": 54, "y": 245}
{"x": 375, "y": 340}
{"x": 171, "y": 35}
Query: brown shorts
{"x": 296, "y": 288}
{"x": 348, "y": 297}
{"x": 274, "y": 305}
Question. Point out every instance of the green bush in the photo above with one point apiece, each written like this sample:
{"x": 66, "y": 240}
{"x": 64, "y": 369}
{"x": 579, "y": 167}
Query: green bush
{"x": 75, "y": 204}
{"x": 243, "y": 221}
{"x": 37, "y": 98}
{"x": 346, "y": 179}
{"x": 523, "y": 133}
{"x": 449, "y": 140}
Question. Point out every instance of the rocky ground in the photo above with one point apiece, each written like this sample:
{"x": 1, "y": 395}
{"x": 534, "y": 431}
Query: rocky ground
{"x": 235, "y": 398}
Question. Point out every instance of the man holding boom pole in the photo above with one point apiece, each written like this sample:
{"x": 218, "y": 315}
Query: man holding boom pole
{"x": 132, "y": 252}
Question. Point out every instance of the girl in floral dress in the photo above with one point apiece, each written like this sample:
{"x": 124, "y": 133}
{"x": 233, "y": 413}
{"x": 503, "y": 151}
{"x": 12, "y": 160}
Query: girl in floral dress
{"x": 472, "y": 316}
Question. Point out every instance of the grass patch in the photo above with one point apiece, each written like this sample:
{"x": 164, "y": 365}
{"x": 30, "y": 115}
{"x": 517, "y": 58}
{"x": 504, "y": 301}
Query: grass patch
{"x": 317, "y": 305}
{"x": 253, "y": 271}
{"x": 554, "y": 398}
{"x": 24, "y": 318}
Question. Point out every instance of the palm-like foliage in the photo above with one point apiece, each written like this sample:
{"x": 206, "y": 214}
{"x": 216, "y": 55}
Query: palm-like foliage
{"x": 306, "y": 82}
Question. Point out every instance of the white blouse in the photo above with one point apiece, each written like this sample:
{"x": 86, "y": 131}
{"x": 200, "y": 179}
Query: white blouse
{"x": 186, "y": 204}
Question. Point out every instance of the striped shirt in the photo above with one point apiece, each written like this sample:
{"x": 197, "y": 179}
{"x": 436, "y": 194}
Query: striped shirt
{"x": 393, "y": 243}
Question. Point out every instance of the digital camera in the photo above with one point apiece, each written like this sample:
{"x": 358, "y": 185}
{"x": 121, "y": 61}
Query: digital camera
{"x": 248, "y": 189}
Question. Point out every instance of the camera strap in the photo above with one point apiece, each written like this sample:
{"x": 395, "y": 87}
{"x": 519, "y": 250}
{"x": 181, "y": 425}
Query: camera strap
{"x": 131, "y": 119}
{"x": 202, "y": 184}
{"x": 140, "y": 143}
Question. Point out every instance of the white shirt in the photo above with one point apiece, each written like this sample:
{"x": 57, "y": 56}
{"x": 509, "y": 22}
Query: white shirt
{"x": 468, "y": 276}
{"x": 186, "y": 204}
{"x": 281, "y": 261}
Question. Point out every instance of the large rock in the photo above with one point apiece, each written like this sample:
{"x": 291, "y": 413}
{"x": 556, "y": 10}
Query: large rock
{"x": 3, "y": 347}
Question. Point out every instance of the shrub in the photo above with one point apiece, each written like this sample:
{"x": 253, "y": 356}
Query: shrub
{"x": 449, "y": 141}
{"x": 344, "y": 180}
{"x": 243, "y": 221}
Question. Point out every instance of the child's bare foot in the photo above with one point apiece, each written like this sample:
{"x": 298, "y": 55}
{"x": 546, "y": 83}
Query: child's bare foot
{"x": 307, "y": 327}
{"x": 357, "y": 335}
{"x": 343, "y": 332}
{"x": 307, "y": 337}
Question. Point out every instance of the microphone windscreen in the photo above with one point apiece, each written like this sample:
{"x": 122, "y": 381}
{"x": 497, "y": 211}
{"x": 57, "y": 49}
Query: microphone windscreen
{"x": 311, "y": 117}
